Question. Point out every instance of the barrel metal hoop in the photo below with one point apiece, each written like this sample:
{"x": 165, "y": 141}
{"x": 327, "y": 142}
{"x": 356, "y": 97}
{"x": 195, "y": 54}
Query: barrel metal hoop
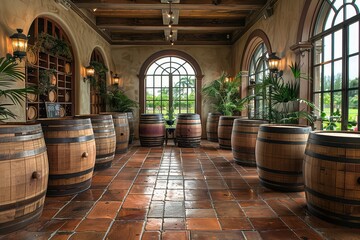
{"x": 69, "y": 140}
{"x": 298, "y": 130}
{"x": 332, "y": 198}
{"x": 295, "y": 173}
{"x": 281, "y": 142}
{"x": 243, "y": 132}
{"x": 344, "y": 143}
{"x": 23, "y": 154}
{"x": 66, "y": 128}
{"x": 332, "y": 158}
{"x": 21, "y": 129}
{"x": 105, "y": 155}
{"x": 22, "y": 203}
{"x": 281, "y": 183}
{"x": 70, "y": 175}
{"x": 22, "y": 138}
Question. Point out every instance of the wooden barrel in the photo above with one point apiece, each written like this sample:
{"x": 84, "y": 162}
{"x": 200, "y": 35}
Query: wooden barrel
{"x": 243, "y": 140}
{"x": 188, "y": 130}
{"x": 332, "y": 176}
{"x": 24, "y": 174}
{"x": 71, "y": 148}
{"x": 279, "y": 155}
{"x": 131, "y": 121}
{"x": 105, "y": 139}
{"x": 122, "y": 130}
{"x": 212, "y": 124}
{"x": 224, "y": 131}
{"x": 151, "y": 130}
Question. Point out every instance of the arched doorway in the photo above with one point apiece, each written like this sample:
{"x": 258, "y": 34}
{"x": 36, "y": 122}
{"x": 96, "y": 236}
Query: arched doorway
{"x": 98, "y": 85}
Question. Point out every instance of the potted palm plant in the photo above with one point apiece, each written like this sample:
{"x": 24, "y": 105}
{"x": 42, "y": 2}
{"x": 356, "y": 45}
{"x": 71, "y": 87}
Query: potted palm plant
{"x": 223, "y": 94}
{"x": 280, "y": 145}
{"x": 10, "y": 73}
{"x": 118, "y": 101}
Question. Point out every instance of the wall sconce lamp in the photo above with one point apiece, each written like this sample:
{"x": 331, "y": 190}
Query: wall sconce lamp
{"x": 19, "y": 44}
{"x": 116, "y": 79}
{"x": 273, "y": 62}
{"x": 89, "y": 72}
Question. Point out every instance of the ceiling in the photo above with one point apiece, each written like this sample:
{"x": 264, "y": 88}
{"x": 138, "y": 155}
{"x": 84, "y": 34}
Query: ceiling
{"x": 196, "y": 22}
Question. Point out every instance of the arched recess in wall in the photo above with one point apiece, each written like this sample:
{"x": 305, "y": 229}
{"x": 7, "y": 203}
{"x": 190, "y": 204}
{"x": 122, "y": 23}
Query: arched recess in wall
{"x": 254, "y": 63}
{"x": 173, "y": 65}
{"x": 50, "y": 68}
{"x": 98, "y": 84}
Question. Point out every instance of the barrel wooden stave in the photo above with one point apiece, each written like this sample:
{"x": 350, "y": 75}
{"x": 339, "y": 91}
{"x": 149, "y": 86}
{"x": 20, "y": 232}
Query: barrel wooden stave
{"x": 225, "y": 130}
{"x": 243, "y": 140}
{"x": 332, "y": 176}
{"x": 24, "y": 175}
{"x": 212, "y": 124}
{"x": 105, "y": 139}
{"x": 121, "y": 126}
{"x": 279, "y": 154}
{"x": 151, "y": 130}
{"x": 131, "y": 121}
{"x": 72, "y": 151}
{"x": 188, "y": 130}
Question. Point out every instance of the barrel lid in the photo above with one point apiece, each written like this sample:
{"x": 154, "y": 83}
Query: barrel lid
{"x": 63, "y": 121}
{"x": 336, "y": 136}
{"x": 95, "y": 116}
{"x": 188, "y": 115}
{"x": 15, "y": 128}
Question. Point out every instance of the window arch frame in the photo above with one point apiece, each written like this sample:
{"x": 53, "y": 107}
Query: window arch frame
{"x": 256, "y": 38}
{"x": 170, "y": 53}
{"x": 321, "y": 18}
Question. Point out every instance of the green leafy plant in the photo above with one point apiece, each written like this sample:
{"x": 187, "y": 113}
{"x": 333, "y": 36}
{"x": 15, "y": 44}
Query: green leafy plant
{"x": 53, "y": 45}
{"x": 45, "y": 84}
{"x": 10, "y": 73}
{"x": 119, "y": 102}
{"x": 98, "y": 82}
{"x": 224, "y": 95}
{"x": 282, "y": 98}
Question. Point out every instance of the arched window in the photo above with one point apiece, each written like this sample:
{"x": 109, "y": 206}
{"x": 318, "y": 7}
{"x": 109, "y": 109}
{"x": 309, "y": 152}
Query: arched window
{"x": 170, "y": 83}
{"x": 258, "y": 70}
{"x": 336, "y": 62}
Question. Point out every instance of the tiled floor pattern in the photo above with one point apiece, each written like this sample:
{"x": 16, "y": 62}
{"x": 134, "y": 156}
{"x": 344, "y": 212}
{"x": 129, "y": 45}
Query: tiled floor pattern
{"x": 172, "y": 193}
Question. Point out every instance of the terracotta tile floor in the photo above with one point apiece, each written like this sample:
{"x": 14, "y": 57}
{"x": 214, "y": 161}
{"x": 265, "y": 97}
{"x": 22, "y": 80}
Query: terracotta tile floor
{"x": 172, "y": 193}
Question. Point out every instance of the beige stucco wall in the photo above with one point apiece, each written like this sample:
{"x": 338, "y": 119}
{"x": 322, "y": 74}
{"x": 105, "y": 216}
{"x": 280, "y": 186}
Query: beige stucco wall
{"x": 21, "y": 13}
{"x": 129, "y": 59}
{"x": 281, "y": 29}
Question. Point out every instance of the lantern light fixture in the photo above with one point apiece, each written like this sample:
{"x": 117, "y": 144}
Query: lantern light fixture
{"x": 89, "y": 72}
{"x": 19, "y": 44}
{"x": 116, "y": 79}
{"x": 273, "y": 62}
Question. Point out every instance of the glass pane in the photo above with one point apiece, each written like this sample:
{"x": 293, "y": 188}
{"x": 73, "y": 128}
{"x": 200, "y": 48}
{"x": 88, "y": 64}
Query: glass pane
{"x": 182, "y": 71}
{"x": 189, "y": 69}
{"x": 354, "y": 38}
{"x": 175, "y": 80}
{"x": 353, "y": 108}
{"x": 326, "y": 104}
{"x": 337, "y": 102}
{"x": 149, "y": 81}
{"x": 191, "y": 94}
{"x": 327, "y": 77}
{"x": 353, "y": 71}
{"x": 339, "y": 18}
{"x": 350, "y": 11}
{"x": 318, "y": 51}
{"x": 149, "y": 94}
{"x": 178, "y": 60}
{"x": 338, "y": 44}
{"x": 337, "y": 4}
{"x": 157, "y": 92}
{"x": 159, "y": 70}
{"x": 149, "y": 107}
{"x": 163, "y": 60}
{"x": 317, "y": 79}
{"x": 191, "y": 107}
{"x": 151, "y": 69}
{"x": 337, "y": 75}
{"x": 157, "y": 81}
{"x": 329, "y": 20}
{"x": 327, "y": 48}
{"x": 183, "y": 106}
{"x": 165, "y": 81}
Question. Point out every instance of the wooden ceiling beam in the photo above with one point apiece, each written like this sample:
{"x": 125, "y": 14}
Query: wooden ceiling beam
{"x": 105, "y": 22}
{"x": 247, "y": 5}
